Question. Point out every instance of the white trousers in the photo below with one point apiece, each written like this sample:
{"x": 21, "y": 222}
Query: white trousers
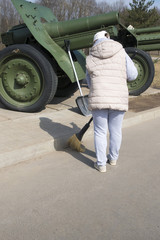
{"x": 104, "y": 120}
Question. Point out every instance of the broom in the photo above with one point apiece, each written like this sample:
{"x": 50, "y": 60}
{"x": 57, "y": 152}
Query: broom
{"x": 75, "y": 141}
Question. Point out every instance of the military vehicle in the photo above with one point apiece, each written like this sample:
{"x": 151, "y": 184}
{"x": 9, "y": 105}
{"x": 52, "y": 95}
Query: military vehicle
{"x": 35, "y": 66}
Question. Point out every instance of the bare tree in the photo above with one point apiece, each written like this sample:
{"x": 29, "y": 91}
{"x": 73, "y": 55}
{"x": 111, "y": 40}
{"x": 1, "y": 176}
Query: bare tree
{"x": 71, "y": 9}
{"x": 81, "y": 8}
{"x": 105, "y": 7}
{"x": 59, "y": 8}
{"x": 8, "y": 15}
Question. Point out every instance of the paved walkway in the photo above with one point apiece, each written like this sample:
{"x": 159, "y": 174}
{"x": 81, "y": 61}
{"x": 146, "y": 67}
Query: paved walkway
{"x": 61, "y": 196}
{"x": 26, "y": 136}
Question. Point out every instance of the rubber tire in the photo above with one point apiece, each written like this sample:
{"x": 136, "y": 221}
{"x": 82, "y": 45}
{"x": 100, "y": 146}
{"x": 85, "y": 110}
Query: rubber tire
{"x": 65, "y": 87}
{"x": 44, "y": 69}
{"x": 146, "y": 65}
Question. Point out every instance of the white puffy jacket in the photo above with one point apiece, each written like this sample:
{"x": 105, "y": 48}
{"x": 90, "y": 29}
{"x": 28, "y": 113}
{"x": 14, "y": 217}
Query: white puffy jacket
{"x": 106, "y": 65}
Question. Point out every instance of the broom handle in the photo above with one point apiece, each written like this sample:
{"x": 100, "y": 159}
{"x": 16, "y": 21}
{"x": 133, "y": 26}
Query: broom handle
{"x": 90, "y": 120}
{"x": 67, "y": 43}
{"x": 80, "y": 134}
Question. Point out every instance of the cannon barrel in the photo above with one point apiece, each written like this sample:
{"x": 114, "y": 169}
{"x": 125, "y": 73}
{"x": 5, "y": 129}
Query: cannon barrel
{"x": 80, "y": 31}
{"x": 60, "y": 29}
{"x": 147, "y": 30}
{"x": 148, "y": 39}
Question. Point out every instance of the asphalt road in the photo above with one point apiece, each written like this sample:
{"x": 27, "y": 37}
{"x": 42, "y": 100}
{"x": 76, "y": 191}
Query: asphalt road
{"x": 62, "y": 197}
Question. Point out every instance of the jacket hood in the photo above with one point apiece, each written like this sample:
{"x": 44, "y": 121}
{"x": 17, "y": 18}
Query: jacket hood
{"x": 106, "y": 49}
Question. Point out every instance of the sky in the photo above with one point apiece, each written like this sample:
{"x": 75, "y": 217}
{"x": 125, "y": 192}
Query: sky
{"x": 156, "y": 2}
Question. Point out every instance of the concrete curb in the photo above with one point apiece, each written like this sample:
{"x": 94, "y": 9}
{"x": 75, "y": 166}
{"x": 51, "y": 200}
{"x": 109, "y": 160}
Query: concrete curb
{"x": 142, "y": 117}
{"x": 50, "y": 144}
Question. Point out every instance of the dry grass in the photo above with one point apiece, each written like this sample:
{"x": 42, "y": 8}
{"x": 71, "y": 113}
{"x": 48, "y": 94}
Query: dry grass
{"x": 156, "y": 80}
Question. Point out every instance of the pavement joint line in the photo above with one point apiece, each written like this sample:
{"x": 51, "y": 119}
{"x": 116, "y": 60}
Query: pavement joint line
{"x": 38, "y": 115}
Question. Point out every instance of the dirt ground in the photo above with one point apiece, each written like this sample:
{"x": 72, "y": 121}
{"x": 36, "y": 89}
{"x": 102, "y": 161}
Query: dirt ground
{"x": 145, "y": 102}
{"x": 142, "y": 103}
{"x": 156, "y": 80}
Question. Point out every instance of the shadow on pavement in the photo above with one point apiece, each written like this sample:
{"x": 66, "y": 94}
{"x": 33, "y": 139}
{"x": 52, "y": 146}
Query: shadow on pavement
{"x": 57, "y": 130}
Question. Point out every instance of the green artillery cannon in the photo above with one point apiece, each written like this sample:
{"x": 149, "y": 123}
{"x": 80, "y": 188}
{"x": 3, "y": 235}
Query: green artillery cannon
{"x": 35, "y": 67}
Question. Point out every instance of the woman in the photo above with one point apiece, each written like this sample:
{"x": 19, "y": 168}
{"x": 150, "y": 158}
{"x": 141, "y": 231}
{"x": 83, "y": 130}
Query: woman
{"x": 108, "y": 69}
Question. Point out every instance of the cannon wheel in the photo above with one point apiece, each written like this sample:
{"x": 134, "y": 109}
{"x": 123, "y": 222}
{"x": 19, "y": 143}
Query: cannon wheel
{"x": 27, "y": 79}
{"x": 145, "y": 67}
{"x": 65, "y": 87}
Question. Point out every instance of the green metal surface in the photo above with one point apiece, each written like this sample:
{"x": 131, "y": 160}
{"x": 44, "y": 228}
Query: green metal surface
{"x": 21, "y": 82}
{"x": 51, "y": 34}
{"x": 84, "y": 39}
{"x": 148, "y": 39}
{"x": 60, "y": 29}
{"x": 21, "y": 36}
{"x": 142, "y": 75}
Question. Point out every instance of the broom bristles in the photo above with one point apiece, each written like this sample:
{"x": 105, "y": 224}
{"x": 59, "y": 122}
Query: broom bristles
{"x": 75, "y": 144}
